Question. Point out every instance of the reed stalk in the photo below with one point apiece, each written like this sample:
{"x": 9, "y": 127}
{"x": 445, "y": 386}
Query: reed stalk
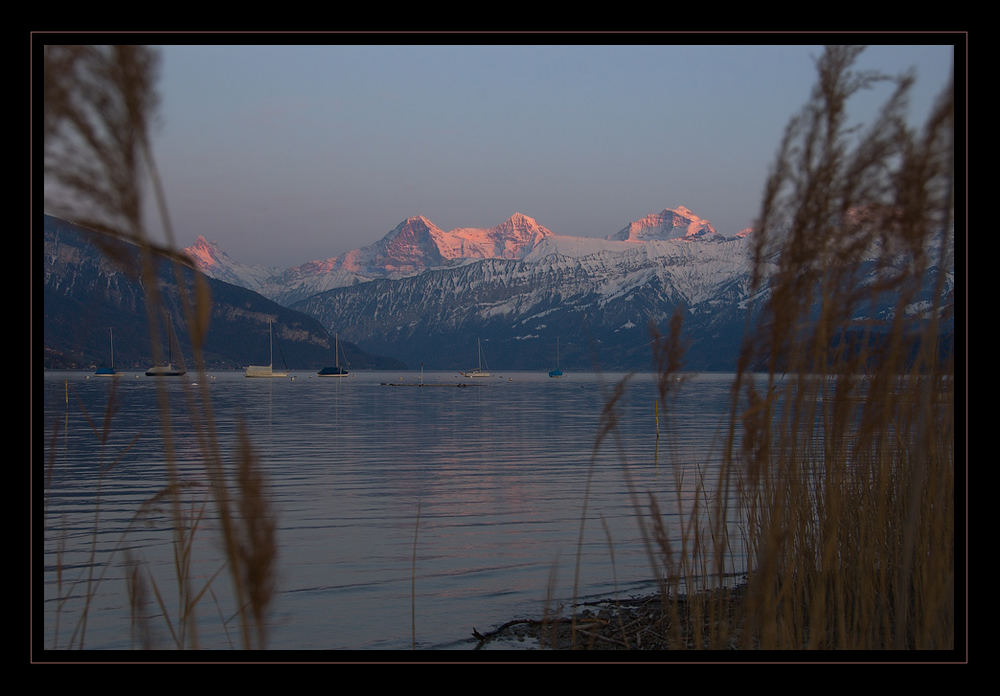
{"x": 100, "y": 104}
{"x": 837, "y": 481}
{"x": 847, "y": 468}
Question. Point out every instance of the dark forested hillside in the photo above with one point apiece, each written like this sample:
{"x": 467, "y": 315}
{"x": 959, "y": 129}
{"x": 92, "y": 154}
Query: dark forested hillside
{"x": 91, "y": 288}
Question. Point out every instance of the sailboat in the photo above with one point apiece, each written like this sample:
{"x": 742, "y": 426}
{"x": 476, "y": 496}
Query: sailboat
{"x": 479, "y": 371}
{"x": 556, "y": 372}
{"x": 109, "y": 371}
{"x": 337, "y": 370}
{"x": 167, "y": 370}
{"x": 265, "y": 370}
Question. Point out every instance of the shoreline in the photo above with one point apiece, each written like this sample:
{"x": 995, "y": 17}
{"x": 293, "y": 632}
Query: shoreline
{"x": 644, "y": 623}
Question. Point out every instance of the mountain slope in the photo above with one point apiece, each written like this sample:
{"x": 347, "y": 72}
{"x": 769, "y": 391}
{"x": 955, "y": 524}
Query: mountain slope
{"x": 597, "y": 296}
{"x": 413, "y": 246}
{"x": 423, "y": 295}
{"x": 85, "y": 293}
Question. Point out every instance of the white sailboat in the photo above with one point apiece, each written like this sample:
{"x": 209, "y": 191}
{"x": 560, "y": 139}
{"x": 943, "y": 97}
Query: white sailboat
{"x": 479, "y": 371}
{"x": 168, "y": 370}
{"x": 265, "y": 370}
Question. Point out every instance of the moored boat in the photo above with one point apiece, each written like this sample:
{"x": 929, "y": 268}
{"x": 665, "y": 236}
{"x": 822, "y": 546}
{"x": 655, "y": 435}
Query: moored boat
{"x": 336, "y": 370}
{"x": 556, "y": 372}
{"x": 109, "y": 371}
{"x": 478, "y": 371}
{"x": 265, "y": 370}
{"x": 168, "y": 370}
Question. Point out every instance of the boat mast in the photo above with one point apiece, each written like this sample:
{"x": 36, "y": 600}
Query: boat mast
{"x": 170, "y": 343}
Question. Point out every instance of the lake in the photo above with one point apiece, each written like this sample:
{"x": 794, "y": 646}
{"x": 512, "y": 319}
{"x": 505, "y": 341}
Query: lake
{"x": 407, "y": 515}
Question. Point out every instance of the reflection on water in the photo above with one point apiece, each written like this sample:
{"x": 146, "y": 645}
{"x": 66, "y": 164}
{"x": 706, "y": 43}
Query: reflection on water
{"x": 490, "y": 480}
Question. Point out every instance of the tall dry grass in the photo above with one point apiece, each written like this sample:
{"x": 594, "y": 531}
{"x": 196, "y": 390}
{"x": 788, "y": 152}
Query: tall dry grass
{"x": 847, "y": 462}
{"x": 836, "y": 495}
{"x": 839, "y": 460}
{"x": 100, "y": 104}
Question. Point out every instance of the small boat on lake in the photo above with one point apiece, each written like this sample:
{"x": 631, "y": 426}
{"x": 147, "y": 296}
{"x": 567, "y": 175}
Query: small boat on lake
{"x": 336, "y": 370}
{"x": 108, "y": 371}
{"x": 265, "y": 370}
{"x": 478, "y": 371}
{"x": 168, "y": 370}
{"x": 556, "y": 372}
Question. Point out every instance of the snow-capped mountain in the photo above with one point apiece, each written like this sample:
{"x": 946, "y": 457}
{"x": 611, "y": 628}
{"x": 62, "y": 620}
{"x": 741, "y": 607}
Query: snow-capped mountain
{"x": 420, "y": 291}
{"x": 597, "y": 295}
{"x": 92, "y": 285}
{"x": 679, "y": 223}
{"x": 413, "y": 246}
{"x": 512, "y": 239}
{"x": 422, "y": 295}
{"x": 216, "y": 263}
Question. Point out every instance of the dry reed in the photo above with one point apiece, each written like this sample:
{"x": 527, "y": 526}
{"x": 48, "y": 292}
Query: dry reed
{"x": 837, "y": 481}
{"x": 847, "y": 459}
{"x": 100, "y": 103}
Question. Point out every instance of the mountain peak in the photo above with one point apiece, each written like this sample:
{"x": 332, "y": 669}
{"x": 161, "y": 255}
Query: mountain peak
{"x": 418, "y": 219}
{"x": 520, "y": 221}
{"x": 520, "y": 225}
{"x": 513, "y": 238}
{"x": 413, "y": 224}
{"x": 204, "y": 253}
{"x": 408, "y": 248}
{"x": 676, "y": 223}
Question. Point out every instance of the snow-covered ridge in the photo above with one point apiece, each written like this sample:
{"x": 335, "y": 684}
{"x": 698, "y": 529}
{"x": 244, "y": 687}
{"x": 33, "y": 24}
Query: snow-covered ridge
{"x": 512, "y": 239}
{"x": 614, "y": 288}
{"x": 216, "y": 263}
{"x": 417, "y": 244}
{"x": 679, "y": 223}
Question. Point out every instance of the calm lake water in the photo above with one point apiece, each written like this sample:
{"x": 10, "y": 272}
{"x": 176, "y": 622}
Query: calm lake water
{"x": 405, "y": 516}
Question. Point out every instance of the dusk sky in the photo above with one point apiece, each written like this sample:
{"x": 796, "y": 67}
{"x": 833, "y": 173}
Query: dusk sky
{"x": 284, "y": 154}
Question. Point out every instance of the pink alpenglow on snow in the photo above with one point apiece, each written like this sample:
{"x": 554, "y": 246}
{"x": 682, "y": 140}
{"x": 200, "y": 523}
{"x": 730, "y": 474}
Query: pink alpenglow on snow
{"x": 512, "y": 239}
{"x": 679, "y": 223}
{"x": 203, "y": 252}
{"x": 417, "y": 244}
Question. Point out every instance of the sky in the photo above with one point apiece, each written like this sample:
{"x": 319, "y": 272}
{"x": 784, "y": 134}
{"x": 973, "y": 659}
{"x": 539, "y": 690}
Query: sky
{"x": 284, "y": 154}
